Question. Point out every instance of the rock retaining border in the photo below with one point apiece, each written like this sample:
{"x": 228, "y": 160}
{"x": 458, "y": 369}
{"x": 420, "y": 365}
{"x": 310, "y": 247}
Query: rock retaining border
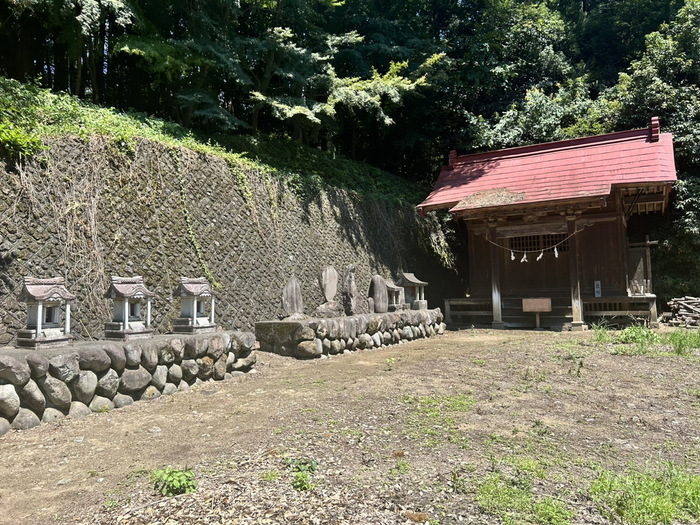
{"x": 100, "y": 376}
{"x": 312, "y": 338}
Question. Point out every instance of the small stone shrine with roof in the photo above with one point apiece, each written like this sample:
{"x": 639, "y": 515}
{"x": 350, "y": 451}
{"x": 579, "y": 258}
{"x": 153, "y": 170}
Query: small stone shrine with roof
{"x": 414, "y": 291}
{"x": 396, "y": 295}
{"x": 44, "y": 298}
{"x": 127, "y": 294}
{"x": 193, "y": 306}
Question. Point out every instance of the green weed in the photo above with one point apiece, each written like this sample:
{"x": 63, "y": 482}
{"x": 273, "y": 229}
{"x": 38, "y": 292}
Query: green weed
{"x": 110, "y": 504}
{"x": 601, "y": 334}
{"x": 684, "y": 341}
{"x": 170, "y": 481}
{"x": 270, "y": 475}
{"x": 302, "y": 471}
{"x": 667, "y": 494}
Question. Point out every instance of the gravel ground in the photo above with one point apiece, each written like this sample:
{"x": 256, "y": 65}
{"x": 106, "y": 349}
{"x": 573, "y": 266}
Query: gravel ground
{"x": 405, "y": 434}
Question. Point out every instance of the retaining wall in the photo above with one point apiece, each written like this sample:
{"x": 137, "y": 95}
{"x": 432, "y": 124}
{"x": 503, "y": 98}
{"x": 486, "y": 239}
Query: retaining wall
{"x": 100, "y": 376}
{"x": 311, "y": 338}
{"x": 84, "y": 211}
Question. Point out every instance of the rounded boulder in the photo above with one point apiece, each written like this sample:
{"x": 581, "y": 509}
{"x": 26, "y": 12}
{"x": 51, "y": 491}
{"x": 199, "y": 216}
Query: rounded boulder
{"x": 38, "y": 365}
{"x": 117, "y": 356}
{"x": 56, "y": 391}
{"x": 9, "y": 401}
{"x": 25, "y": 419}
{"x": 95, "y": 359}
{"x": 134, "y": 380}
{"x": 14, "y": 370}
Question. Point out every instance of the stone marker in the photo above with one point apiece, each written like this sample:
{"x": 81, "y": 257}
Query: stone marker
{"x": 353, "y": 301}
{"x": 292, "y": 302}
{"x": 328, "y": 280}
{"x": 378, "y": 292}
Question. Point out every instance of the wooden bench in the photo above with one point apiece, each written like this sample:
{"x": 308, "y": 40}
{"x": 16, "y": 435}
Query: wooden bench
{"x": 623, "y": 305}
{"x": 467, "y": 307}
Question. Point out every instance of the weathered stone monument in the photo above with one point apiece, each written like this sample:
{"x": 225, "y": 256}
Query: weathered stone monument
{"x": 44, "y": 298}
{"x": 379, "y": 295}
{"x": 127, "y": 294}
{"x": 194, "y": 317}
{"x": 328, "y": 281}
{"x": 292, "y": 302}
{"x": 353, "y": 302}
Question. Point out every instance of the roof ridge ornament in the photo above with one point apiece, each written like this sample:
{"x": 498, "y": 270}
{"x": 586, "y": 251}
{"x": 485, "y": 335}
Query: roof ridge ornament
{"x": 655, "y": 129}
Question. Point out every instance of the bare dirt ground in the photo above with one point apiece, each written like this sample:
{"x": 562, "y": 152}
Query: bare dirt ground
{"x": 402, "y": 434}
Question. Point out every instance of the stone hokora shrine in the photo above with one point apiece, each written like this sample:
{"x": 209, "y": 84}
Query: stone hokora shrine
{"x": 396, "y": 296}
{"x": 44, "y": 298}
{"x": 128, "y": 294}
{"x": 414, "y": 291}
{"x": 194, "y": 317}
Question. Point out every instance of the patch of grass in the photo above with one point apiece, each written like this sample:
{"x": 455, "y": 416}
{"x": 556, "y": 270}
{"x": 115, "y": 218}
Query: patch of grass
{"x": 433, "y": 418}
{"x": 636, "y": 340}
{"x": 110, "y": 504}
{"x": 601, "y": 334}
{"x": 540, "y": 429}
{"x": 402, "y": 466}
{"x": 29, "y": 114}
{"x": 639, "y": 340}
{"x": 512, "y": 501}
{"x": 270, "y": 475}
{"x": 666, "y": 494}
{"x": 684, "y": 341}
{"x": 172, "y": 481}
{"x": 528, "y": 465}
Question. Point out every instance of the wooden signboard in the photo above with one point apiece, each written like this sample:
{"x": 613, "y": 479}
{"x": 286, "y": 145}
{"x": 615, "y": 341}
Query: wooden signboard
{"x": 537, "y": 305}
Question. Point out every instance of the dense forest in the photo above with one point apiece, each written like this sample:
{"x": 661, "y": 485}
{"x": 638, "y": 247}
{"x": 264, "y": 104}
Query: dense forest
{"x": 393, "y": 84}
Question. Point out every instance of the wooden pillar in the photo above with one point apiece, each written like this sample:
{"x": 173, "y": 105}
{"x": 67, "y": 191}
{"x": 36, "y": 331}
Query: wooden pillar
{"x": 648, "y": 289}
{"x": 575, "y": 276}
{"x": 495, "y": 280}
{"x": 653, "y": 314}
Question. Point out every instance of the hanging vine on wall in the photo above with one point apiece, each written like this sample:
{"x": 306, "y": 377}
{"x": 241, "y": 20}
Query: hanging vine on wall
{"x": 188, "y": 222}
{"x": 193, "y": 238}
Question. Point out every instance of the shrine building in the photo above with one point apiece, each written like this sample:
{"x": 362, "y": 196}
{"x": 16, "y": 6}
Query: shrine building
{"x": 547, "y": 228}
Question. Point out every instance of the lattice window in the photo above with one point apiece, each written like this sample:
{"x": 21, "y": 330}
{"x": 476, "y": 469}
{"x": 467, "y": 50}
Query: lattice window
{"x": 526, "y": 243}
{"x": 538, "y": 243}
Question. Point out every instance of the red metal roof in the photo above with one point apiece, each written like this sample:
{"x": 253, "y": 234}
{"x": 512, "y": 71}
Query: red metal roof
{"x": 555, "y": 171}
